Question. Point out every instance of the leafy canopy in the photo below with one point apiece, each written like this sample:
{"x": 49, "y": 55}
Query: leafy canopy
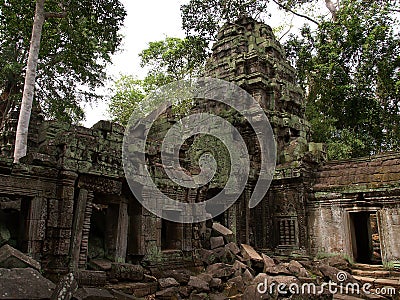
{"x": 167, "y": 60}
{"x": 75, "y": 49}
{"x": 349, "y": 69}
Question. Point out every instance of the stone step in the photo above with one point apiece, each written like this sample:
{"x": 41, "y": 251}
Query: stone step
{"x": 371, "y": 273}
{"x": 367, "y": 267}
{"x": 381, "y": 282}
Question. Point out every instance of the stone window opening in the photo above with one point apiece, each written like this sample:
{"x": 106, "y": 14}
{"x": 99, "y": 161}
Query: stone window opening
{"x": 287, "y": 232}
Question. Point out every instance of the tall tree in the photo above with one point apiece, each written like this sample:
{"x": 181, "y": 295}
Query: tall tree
{"x": 78, "y": 39}
{"x": 349, "y": 68}
{"x": 21, "y": 139}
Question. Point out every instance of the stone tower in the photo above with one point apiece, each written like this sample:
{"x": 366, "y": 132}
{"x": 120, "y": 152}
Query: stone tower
{"x": 248, "y": 54}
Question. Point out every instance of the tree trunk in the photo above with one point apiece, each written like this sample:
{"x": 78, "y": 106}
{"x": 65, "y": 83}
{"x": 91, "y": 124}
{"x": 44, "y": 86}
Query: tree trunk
{"x": 332, "y": 8}
{"x": 21, "y": 140}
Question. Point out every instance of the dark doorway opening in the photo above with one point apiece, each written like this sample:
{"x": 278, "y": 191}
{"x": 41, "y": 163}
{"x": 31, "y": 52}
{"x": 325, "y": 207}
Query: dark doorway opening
{"x": 103, "y": 228}
{"x": 365, "y": 237}
{"x": 171, "y": 232}
{"x": 13, "y": 223}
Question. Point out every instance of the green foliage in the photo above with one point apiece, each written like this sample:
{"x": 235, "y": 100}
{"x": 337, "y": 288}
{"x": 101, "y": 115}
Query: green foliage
{"x": 349, "y": 69}
{"x": 174, "y": 58}
{"x": 203, "y": 18}
{"x": 74, "y": 52}
{"x": 127, "y": 95}
{"x": 168, "y": 60}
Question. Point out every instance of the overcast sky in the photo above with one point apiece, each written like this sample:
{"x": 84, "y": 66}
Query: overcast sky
{"x": 147, "y": 21}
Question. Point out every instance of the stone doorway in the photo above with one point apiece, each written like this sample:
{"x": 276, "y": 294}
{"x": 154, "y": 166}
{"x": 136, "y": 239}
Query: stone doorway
{"x": 365, "y": 238}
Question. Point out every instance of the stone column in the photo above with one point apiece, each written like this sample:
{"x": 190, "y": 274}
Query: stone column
{"x": 77, "y": 228}
{"x": 36, "y": 226}
{"x": 84, "y": 246}
{"x": 122, "y": 233}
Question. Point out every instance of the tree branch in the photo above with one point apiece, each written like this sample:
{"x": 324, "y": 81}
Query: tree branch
{"x": 48, "y": 15}
{"x": 295, "y": 13}
{"x": 332, "y": 8}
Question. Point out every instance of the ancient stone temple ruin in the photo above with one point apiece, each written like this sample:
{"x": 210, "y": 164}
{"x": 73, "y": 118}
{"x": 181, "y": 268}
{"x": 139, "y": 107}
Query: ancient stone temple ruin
{"x": 68, "y": 205}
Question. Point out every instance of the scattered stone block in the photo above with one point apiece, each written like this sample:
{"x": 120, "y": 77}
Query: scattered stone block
{"x": 122, "y": 296}
{"x": 249, "y": 253}
{"x": 297, "y": 269}
{"x": 220, "y": 270}
{"x": 167, "y": 282}
{"x": 216, "y": 242}
{"x": 13, "y": 258}
{"x": 91, "y": 278}
{"x": 88, "y": 293}
{"x": 25, "y": 283}
{"x": 198, "y": 284}
{"x": 100, "y": 264}
{"x": 167, "y": 294}
{"x": 223, "y": 231}
{"x": 268, "y": 261}
{"x": 233, "y": 248}
{"x": 123, "y": 271}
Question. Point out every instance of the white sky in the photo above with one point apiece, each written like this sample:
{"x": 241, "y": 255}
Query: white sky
{"x": 147, "y": 21}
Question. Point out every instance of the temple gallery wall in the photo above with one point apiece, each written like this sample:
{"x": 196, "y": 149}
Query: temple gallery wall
{"x": 67, "y": 204}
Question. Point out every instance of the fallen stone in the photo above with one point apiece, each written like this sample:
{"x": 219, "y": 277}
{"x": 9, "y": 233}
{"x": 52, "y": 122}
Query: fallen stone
{"x": 220, "y": 270}
{"x": 247, "y": 277}
{"x": 251, "y": 292}
{"x": 182, "y": 276}
{"x": 26, "y": 283}
{"x": 217, "y": 297}
{"x": 238, "y": 283}
{"x": 215, "y": 283}
{"x": 331, "y": 273}
{"x": 337, "y": 262}
{"x": 91, "y": 278}
{"x": 278, "y": 270}
{"x": 167, "y": 282}
{"x": 128, "y": 272}
{"x": 88, "y": 293}
{"x": 184, "y": 291}
{"x": 219, "y": 229}
{"x": 216, "y": 242}
{"x": 268, "y": 261}
{"x": 223, "y": 254}
{"x": 249, "y": 253}
{"x": 233, "y": 248}
{"x": 13, "y": 258}
{"x": 65, "y": 288}
{"x": 198, "y": 284}
{"x": 122, "y": 296}
{"x": 202, "y": 296}
{"x": 239, "y": 266}
{"x": 206, "y": 256}
{"x": 138, "y": 289}
{"x": 297, "y": 269}
{"x": 100, "y": 264}
{"x": 168, "y": 294}
{"x": 206, "y": 277}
